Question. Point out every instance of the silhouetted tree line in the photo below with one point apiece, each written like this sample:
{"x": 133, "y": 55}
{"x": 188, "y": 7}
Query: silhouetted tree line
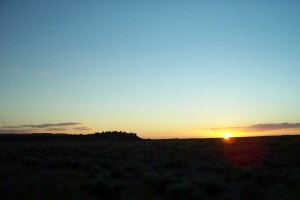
{"x": 114, "y": 134}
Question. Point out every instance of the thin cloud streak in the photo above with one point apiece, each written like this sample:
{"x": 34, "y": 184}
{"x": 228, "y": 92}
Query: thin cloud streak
{"x": 43, "y": 125}
{"x": 56, "y": 129}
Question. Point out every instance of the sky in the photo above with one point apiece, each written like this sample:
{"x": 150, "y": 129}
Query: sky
{"x": 162, "y": 69}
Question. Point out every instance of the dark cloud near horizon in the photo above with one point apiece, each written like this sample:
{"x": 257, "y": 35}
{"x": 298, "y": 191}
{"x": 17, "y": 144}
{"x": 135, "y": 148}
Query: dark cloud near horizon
{"x": 45, "y": 128}
{"x": 43, "y": 125}
{"x": 263, "y": 127}
{"x": 278, "y": 126}
{"x": 18, "y": 131}
{"x": 82, "y": 128}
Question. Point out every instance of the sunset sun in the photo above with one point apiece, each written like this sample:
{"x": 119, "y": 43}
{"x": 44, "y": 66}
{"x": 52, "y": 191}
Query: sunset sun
{"x": 226, "y": 136}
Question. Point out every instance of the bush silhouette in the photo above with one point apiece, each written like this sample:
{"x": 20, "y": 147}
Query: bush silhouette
{"x": 213, "y": 188}
{"x": 183, "y": 191}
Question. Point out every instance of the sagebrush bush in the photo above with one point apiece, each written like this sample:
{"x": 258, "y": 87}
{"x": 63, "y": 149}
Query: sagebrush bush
{"x": 214, "y": 187}
{"x": 183, "y": 191}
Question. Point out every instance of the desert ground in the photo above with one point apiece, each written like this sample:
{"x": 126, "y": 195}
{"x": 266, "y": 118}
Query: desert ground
{"x": 238, "y": 168}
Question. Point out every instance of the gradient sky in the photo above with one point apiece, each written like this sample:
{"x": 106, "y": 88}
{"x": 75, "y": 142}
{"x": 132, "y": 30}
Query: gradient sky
{"x": 159, "y": 68}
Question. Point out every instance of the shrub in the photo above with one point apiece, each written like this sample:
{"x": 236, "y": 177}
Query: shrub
{"x": 183, "y": 191}
{"x": 250, "y": 192}
{"x": 103, "y": 188}
{"x": 116, "y": 172}
{"x": 176, "y": 163}
{"x": 214, "y": 188}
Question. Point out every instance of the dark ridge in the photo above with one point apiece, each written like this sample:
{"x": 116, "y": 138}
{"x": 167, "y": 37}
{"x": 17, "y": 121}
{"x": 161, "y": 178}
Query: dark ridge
{"x": 103, "y": 136}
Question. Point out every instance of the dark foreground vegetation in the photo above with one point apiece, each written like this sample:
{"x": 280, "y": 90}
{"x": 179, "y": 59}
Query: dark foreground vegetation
{"x": 243, "y": 168}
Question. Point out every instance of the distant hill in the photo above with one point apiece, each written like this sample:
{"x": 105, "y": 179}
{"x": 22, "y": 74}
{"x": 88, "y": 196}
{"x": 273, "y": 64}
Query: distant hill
{"x": 107, "y": 135}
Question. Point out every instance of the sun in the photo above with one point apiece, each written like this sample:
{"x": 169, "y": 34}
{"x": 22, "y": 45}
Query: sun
{"x": 226, "y": 136}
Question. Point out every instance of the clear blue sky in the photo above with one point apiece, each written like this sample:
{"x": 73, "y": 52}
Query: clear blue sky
{"x": 159, "y": 68}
